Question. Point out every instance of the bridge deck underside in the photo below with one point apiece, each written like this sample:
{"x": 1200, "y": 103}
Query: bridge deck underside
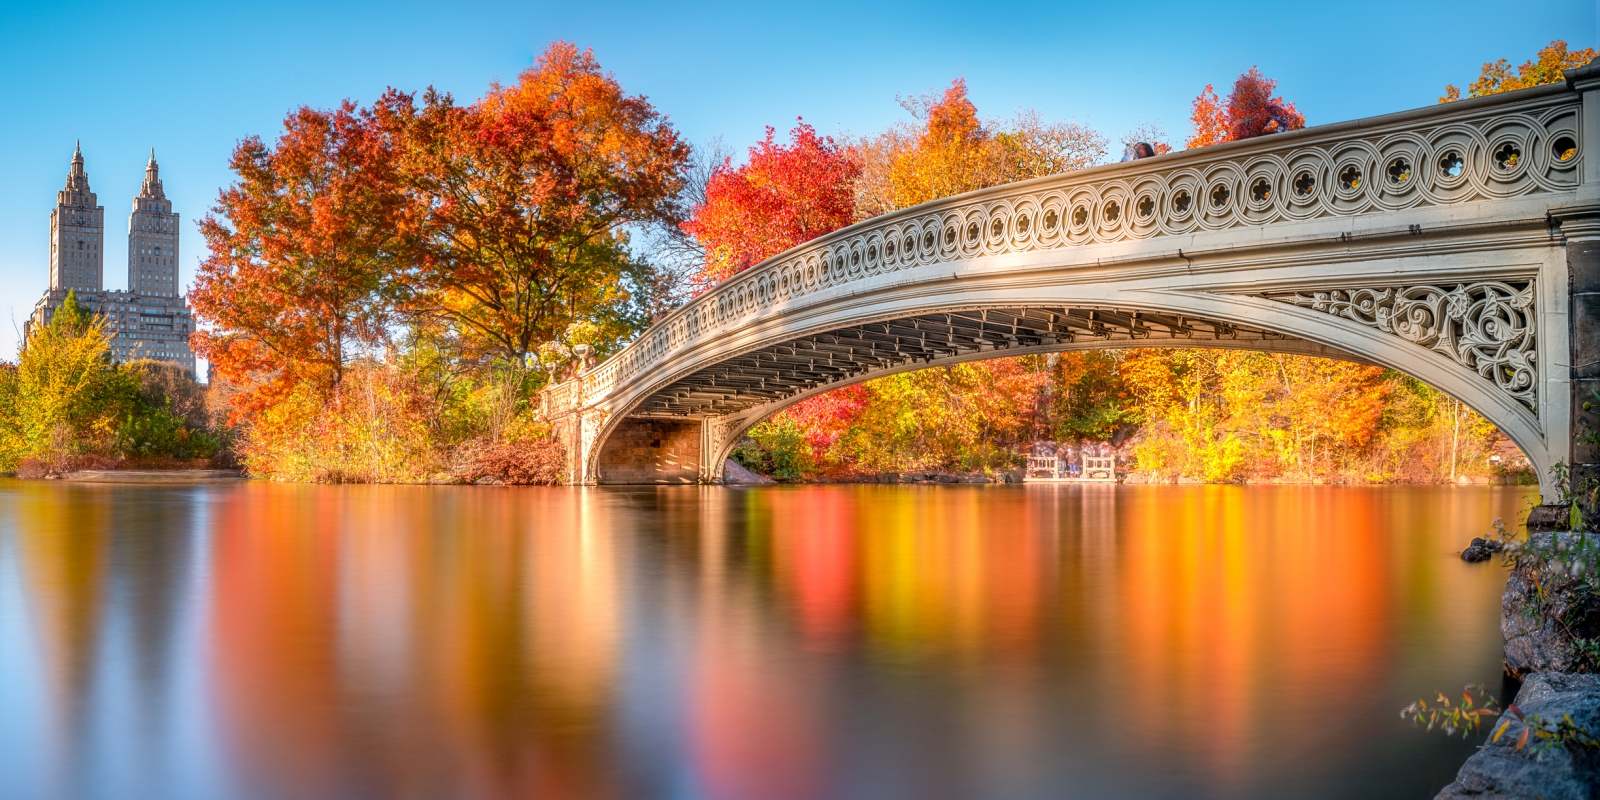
{"x": 778, "y": 371}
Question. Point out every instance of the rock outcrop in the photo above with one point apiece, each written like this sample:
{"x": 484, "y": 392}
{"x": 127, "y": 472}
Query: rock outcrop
{"x": 735, "y": 473}
{"x": 1556, "y": 772}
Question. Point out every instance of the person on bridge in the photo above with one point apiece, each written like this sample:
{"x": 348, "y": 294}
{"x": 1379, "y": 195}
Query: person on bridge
{"x": 1137, "y": 151}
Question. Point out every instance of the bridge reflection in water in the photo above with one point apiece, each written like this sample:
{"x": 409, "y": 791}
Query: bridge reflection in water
{"x": 791, "y": 642}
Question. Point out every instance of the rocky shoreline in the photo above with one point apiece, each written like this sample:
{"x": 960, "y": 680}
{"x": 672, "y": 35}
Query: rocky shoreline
{"x": 1547, "y": 744}
{"x": 168, "y": 476}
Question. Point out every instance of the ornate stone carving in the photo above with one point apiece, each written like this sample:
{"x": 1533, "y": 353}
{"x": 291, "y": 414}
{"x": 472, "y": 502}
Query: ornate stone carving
{"x": 1489, "y": 327}
{"x": 590, "y": 423}
{"x": 719, "y": 431}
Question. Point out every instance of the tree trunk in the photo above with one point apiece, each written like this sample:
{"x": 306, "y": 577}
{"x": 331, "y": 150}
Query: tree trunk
{"x": 1455, "y": 436}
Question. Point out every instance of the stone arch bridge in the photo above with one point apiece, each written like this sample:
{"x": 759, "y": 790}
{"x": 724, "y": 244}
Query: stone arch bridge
{"x": 1458, "y": 243}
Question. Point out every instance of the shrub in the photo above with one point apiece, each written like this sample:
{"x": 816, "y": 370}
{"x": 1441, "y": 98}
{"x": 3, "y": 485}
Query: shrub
{"x": 516, "y": 462}
{"x": 776, "y": 448}
{"x": 62, "y": 463}
{"x": 157, "y": 432}
{"x": 375, "y": 428}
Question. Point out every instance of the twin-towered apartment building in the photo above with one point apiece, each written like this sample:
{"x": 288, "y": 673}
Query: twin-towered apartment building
{"x": 149, "y": 319}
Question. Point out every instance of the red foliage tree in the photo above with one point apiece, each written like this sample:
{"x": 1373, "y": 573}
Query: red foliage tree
{"x": 784, "y": 195}
{"x": 1210, "y": 118}
{"x": 304, "y": 250}
{"x": 1250, "y": 111}
{"x": 1253, "y": 111}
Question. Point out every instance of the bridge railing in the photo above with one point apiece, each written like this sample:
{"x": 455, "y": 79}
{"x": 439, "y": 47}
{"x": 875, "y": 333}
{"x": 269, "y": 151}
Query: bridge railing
{"x": 1501, "y": 146}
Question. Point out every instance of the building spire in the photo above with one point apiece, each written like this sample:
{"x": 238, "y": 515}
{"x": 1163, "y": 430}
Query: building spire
{"x": 152, "y": 180}
{"x": 77, "y": 178}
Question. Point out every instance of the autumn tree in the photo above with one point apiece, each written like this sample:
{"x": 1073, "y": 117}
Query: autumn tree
{"x": 1249, "y": 111}
{"x": 1088, "y": 398}
{"x": 784, "y": 195}
{"x": 64, "y": 397}
{"x": 1545, "y": 67}
{"x": 305, "y": 256}
{"x": 949, "y": 150}
{"x": 524, "y": 200}
{"x": 1209, "y": 116}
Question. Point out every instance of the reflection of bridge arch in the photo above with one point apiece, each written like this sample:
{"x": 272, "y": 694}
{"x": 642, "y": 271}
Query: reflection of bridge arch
{"x": 1434, "y": 241}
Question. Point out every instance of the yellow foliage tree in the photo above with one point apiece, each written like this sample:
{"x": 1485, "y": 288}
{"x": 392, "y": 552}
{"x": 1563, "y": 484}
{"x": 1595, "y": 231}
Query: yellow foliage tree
{"x": 950, "y": 150}
{"x": 64, "y": 397}
{"x": 1545, "y": 67}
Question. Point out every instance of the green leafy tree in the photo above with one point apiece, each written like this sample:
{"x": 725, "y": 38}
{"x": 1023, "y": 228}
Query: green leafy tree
{"x": 64, "y": 397}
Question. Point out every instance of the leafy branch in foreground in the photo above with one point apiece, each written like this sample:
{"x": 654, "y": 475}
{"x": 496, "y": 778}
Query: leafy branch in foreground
{"x": 1466, "y": 717}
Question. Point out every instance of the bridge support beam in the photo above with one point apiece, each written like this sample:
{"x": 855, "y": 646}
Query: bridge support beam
{"x": 1583, "y": 266}
{"x": 1580, "y": 228}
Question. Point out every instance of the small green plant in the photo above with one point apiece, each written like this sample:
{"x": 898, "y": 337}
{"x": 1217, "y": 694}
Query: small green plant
{"x": 1465, "y": 717}
{"x": 1591, "y": 436}
{"x": 1476, "y": 705}
{"x": 1588, "y": 652}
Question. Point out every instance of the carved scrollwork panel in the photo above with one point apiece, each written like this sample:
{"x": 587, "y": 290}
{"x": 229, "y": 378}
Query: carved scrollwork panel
{"x": 1489, "y": 327}
{"x": 719, "y": 431}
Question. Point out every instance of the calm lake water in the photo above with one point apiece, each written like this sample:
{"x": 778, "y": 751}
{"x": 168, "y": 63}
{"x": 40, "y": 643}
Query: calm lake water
{"x": 270, "y": 641}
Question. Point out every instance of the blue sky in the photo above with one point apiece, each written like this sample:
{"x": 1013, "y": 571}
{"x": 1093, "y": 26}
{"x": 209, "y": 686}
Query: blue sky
{"x": 191, "y": 79}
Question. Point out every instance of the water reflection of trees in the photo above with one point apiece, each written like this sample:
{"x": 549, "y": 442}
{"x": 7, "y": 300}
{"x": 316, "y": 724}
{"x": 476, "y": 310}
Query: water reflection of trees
{"x": 108, "y": 576}
{"x": 461, "y": 645}
{"x": 380, "y": 641}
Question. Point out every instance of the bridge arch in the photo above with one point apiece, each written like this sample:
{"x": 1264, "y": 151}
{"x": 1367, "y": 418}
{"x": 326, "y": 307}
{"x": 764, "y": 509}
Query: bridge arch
{"x": 1440, "y": 242}
{"x": 703, "y": 412}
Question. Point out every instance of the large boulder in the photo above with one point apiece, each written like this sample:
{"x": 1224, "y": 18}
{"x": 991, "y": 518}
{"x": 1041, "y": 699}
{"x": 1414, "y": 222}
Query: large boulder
{"x": 735, "y": 473}
{"x": 1556, "y": 772}
{"x": 1547, "y": 605}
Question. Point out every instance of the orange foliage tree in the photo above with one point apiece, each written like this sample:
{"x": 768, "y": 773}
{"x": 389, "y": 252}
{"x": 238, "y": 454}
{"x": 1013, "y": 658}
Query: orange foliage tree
{"x": 1545, "y": 67}
{"x": 783, "y": 196}
{"x": 953, "y": 151}
{"x": 305, "y": 252}
{"x": 1249, "y": 111}
{"x": 523, "y": 200}
{"x": 380, "y": 276}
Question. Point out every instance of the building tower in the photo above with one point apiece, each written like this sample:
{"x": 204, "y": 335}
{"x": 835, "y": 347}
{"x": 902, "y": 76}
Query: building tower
{"x": 148, "y": 320}
{"x": 152, "y": 239}
{"x": 77, "y": 228}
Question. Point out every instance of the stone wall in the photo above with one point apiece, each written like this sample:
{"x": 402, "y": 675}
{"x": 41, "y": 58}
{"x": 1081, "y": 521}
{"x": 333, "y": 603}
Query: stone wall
{"x": 651, "y": 451}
